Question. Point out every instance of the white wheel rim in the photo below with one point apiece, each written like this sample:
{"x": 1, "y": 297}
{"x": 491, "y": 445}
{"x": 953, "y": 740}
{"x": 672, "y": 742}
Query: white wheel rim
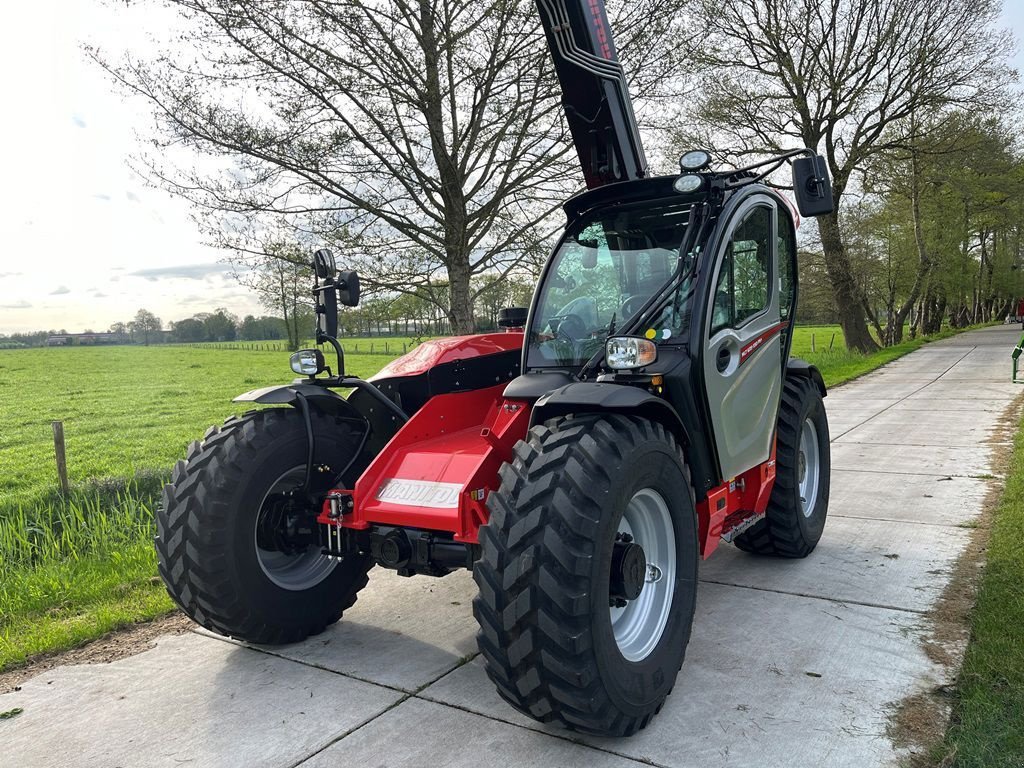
{"x": 639, "y": 625}
{"x": 294, "y": 572}
{"x": 808, "y": 468}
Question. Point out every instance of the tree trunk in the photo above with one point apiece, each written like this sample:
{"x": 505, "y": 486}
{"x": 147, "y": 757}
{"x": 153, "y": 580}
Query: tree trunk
{"x": 844, "y": 288}
{"x": 924, "y": 260}
{"x": 460, "y": 301}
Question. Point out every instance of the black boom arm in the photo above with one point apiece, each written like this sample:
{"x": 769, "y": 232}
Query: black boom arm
{"x": 594, "y": 93}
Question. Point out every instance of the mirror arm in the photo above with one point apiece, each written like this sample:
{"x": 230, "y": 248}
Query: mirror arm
{"x": 322, "y": 337}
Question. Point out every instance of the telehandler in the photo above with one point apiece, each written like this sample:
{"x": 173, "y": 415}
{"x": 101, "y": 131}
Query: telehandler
{"x": 580, "y": 462}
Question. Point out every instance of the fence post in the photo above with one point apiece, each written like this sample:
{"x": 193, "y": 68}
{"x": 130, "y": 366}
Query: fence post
{"x": 812, "y": 342}
{"x": 832, "y": 342}
{"x": 62, "y": 462}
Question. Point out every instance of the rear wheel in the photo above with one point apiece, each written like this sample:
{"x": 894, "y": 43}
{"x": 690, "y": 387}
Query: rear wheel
{"x": 237, "y": 541}
{"x": 588, "y": 573}
{"x": 795, "y": 517}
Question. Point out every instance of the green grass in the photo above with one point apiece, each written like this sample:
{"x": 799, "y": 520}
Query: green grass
{"x": 988, "y": 719}
{"x": 73, "y": 568}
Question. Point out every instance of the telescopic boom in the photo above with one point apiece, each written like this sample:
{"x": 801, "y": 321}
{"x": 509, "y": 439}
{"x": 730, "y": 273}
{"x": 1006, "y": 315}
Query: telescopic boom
{"x": 594, "y": 92}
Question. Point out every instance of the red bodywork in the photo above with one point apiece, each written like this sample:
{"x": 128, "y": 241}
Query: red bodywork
{"x": 439, "y": 351}
{"x": 436, "y": 472}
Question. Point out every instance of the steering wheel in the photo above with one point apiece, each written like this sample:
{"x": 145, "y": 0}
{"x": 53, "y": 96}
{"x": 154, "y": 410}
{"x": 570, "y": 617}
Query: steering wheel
{"x": 570, "y": 326}
{"x": 631, "y": 304}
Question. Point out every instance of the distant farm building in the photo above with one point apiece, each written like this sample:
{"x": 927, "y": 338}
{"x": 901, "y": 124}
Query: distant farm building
{"x": 86, "y": 339}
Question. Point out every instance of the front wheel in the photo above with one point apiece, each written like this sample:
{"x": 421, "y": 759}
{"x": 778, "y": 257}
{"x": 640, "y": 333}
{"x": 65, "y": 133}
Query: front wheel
{"x": 795, "y": 517}
{"x": 588, "y": 573}
{"x": 237, "y": 543}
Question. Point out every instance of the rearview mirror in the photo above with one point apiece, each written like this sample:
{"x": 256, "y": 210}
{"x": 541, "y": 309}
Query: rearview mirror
{"x": 324, "y": 264}
{"x": 348, "y": 287}
{"x": 812, "y": 186}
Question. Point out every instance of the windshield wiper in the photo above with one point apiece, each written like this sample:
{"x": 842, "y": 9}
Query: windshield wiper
{"x": 694, "y": 229}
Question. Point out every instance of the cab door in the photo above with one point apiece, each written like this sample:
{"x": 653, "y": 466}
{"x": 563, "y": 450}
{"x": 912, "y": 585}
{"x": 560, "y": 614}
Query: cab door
{"x": 743, "y": 346}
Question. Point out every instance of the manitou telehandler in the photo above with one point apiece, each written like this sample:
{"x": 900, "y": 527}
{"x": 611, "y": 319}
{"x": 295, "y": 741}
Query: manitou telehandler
{"x": 580, "y": 463}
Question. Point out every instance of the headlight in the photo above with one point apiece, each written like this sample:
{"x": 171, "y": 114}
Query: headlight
{"x": 626, "y": 352}
{"x": 308, "y": 362}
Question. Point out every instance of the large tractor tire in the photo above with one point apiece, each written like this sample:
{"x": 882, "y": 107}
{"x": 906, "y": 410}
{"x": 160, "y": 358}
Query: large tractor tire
{"x": 795, "y": 517}
{"x": 236, "y": 537}
{"x": 588, "y": 573}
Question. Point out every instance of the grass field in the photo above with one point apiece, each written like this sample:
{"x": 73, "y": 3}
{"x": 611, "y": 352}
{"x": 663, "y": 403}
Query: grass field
{"x": 73, "y": 568}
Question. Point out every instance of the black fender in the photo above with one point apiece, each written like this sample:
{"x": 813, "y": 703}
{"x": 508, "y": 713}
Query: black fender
{"x": 321, "y": 398}
{"x": 382, "y": 423}
{"x": 798, "y": 367}
{"x": 595, "y": 397}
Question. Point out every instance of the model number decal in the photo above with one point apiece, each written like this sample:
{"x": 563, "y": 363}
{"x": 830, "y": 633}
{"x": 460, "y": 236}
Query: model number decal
{"x": 420, "y": 493}
{"x": 753, "y": 346}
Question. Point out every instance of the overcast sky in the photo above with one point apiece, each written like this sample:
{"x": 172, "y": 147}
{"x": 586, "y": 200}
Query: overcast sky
{"x": 84, "y": 242}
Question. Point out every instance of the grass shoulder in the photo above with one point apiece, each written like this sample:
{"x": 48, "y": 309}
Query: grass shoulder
{"x": 839, "y": 365}
{"x": 987, "y": 726}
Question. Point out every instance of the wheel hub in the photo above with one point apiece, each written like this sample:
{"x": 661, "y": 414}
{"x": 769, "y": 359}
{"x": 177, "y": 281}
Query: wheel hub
{"x": 287, "y": 547}
{"x": 629, "y": 569}
{"x": 280, "y": 527}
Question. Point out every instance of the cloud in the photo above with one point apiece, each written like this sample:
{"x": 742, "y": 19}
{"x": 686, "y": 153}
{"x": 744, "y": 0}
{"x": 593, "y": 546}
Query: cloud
{"x": 132, "y": 196}
{"x": 79, "y": 122}
{"x": 22, "y": 304}
{"x": 11, "y": 274}
{"x": 105, "y": 198}
{"x": 185, "y": 272}
{"x": 60, "y": 291}
{"x": 99, "y": 295}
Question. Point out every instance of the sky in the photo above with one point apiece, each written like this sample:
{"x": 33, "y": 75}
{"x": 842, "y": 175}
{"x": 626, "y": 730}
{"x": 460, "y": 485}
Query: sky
{"x": 84, "y": 242}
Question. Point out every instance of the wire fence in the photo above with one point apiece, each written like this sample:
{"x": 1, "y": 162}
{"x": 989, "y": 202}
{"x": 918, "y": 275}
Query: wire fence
{"x": 354, "y": 348}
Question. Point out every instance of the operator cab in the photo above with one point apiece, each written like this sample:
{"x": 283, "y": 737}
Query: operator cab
{"x": 691, "y": 282}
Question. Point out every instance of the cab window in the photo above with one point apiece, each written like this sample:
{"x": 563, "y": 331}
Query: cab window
{"x": 787, "y": 263}
{"x": 744, "y": 280}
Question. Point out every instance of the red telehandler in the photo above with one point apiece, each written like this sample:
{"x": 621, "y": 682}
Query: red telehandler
{"x": 580, "y": 463}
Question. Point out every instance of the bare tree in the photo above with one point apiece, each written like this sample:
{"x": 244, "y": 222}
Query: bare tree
{"x": 422, "y": 138}
{"x": 282, "y": 278}
{"x": 843, "y": 77}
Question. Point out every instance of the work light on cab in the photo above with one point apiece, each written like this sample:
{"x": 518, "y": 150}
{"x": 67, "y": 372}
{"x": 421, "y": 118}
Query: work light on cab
{"x": 626, "y": 352}
{"x": 696, "y": 160}
{"x": 691, "y": 182}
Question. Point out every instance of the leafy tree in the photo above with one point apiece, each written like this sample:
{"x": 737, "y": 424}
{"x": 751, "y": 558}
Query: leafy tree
{"x": 146, "y": 325}
{"x": 848, "y": 78}
{"x": 189, "y": 330}
{"x": 220, "y": 325}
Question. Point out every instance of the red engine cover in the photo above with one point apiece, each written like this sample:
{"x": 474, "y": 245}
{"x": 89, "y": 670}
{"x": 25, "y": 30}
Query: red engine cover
{"x": 438, "y": 351}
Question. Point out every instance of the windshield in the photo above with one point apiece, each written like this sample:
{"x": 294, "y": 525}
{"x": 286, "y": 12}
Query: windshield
{"x": 605, "y": 268}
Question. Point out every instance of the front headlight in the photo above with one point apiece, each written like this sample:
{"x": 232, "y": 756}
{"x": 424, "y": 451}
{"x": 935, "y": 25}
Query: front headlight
{"x": 308, "y": 362}
{"x": 626, "y": 352}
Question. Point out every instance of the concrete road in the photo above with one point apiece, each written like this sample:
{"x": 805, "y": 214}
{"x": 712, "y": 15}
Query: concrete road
{"x": 791, "y": 663}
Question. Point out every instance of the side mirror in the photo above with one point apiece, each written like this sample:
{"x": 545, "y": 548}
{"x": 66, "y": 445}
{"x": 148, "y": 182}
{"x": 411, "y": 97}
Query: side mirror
{"x": 348, "y": 288}
{"x": 812, "y": 186}
{"x": 308, "y": 362}
{"x": 324, "y": 264}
